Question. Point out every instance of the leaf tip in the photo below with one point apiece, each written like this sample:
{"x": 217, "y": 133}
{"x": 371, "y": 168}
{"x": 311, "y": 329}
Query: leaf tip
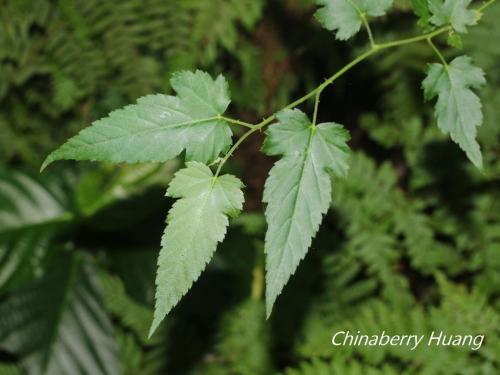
{"x": 154, "y": 326}
{"x": 46, "y": 163}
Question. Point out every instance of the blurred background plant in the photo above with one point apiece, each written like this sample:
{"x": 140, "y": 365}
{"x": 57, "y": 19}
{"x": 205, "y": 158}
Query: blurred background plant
{"x": 411, "y": 244}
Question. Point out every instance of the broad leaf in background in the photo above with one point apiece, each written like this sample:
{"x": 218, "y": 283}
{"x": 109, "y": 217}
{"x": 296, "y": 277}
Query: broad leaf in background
{"x": 58, "y": 325}
{"x": 31, "y": 212}
{"x": 109, "y": 184}
{"x": 159, "y": 127}
{"x": 298, "y": 191}
{"x": 458, "y": 109}
{"x": 345, "y": 17}
{"x": 454, "y": 12}
{"x": 195, "y": 224}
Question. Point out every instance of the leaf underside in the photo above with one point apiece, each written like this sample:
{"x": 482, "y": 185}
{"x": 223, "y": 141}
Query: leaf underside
{"x": 298, "y": 191}
{"x": 195, "y": 224}
{"x": 458, "y": 108}
{"x": 159, "y": 127}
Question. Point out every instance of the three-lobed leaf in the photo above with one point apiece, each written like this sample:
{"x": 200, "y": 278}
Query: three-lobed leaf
{"x": 159, "y": 127}
{"x": 195, "y": 224}
{"x": 298, "y": 191}
{"x": 345, "y": 17}
{"x": 458, "y": 109}
{"x": 454, "y": 12}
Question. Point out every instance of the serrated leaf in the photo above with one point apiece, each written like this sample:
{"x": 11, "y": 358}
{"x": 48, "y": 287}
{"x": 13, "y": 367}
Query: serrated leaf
{"x": 454, "y": 12}
{"x": 58, "y": 325}
{"x": 298, "y": 191}
{"x": 458, "y": 109}
{"x": 421, "y": 9}
{"x": 195, "y": 224}
{"x": 344, "y": 17}
{"x": 159, "y": 127}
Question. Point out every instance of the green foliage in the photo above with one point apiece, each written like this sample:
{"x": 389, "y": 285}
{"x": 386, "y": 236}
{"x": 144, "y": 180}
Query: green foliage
{"x": 159, "y": 127}
{"x": 57, "y": 60}
{"x": 42, "y": 323}
{"x": 409, "y": 237}
{"x": 453, "y": 12}
{"x": 421, "y": 9}
{"x": 345, "y": 17}
{"x": 243, "y": 348}
{"x": 298, "y": 191}
{"x": 133, "y": 316}
{"x": 196, "y": 223}
{"x": 31, "y": 214}
{"x": 458, "y": 109}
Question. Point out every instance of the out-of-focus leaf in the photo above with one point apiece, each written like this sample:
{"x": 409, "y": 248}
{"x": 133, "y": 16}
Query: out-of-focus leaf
{"x": 31, "y": 212}
{"x": 58, "y": 325}
{"x": 133, "y": 315}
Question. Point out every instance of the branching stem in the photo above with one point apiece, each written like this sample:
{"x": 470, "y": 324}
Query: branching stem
{"x": 375, "y": 48}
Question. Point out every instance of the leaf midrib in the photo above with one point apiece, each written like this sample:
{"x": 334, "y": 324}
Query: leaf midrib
{"x": 301, "y": 178}
{"x": 142, "y": 132}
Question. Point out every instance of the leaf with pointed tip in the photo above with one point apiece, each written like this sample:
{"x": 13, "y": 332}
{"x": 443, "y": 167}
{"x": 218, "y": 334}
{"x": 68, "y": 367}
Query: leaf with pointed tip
{"x": 344, "y": 17}
{"x": 195, "y": 224}
{"x": 159, "y": 127}
{"x": 454, "y": 12}
{"x": 298, "y": 191}
{"x": 458, "y": 109}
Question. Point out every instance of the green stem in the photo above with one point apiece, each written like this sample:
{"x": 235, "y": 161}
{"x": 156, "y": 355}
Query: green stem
{"x": 485, "y": 5}
{"x": 316, "y": 105}
{"x": 368, "y": 30}
{"x": 362, "y": 15}
{"x": 375, "y": 48}
{"x": 236, "y": 122}
{"x": 438, "y": 52}
{"x": 414, "y": 39}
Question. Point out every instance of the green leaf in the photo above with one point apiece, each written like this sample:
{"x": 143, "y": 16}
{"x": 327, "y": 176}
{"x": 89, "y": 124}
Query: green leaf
{"x": 458, "y": 109}
{"x": 345, "y": 17}
{"x": 195, "y": 224}
{"x": 132, "y": 314}
{"x": 32, "y": 211}
{"x": 58, "y": 325}
{"x": 159, "y": 127}
{"x": 298, "y": 191}
{"x": 421, "y": 9}
{"x": 455, "y": 40}
{"x": 454, "y": 12}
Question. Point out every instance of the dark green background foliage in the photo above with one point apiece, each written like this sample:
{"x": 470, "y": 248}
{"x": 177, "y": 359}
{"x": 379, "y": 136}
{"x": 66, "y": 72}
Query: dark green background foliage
{"x": 411, "y": 243}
